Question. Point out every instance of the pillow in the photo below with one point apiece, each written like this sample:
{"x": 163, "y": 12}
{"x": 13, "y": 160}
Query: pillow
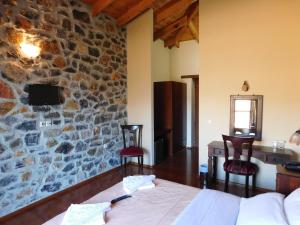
{"x": 263, "y": 209}
{"x": 292, "y": 207}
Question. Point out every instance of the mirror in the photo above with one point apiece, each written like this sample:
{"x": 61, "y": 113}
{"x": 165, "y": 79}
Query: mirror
{"x": 246, "y": 116}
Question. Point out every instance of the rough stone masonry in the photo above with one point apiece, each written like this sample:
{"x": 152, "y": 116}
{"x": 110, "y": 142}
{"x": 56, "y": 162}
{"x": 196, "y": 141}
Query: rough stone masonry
{"x": 87, "y": 57}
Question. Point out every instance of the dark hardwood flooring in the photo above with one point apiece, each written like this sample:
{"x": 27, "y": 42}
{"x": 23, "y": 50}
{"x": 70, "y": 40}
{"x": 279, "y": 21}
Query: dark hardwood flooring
{"x": 182, "y": 168}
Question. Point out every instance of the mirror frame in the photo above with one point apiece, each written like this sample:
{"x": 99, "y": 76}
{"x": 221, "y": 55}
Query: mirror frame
{"x": 259, "y": 99}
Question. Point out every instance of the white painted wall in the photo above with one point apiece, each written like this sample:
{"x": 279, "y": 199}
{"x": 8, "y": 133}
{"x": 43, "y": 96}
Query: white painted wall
{"x": 185, "y": 61}
{"x": 148, "y": 62}
{"x": 257, "y": 41}
{"x": 160, "y": 62}
{"x": 139, "y": 81}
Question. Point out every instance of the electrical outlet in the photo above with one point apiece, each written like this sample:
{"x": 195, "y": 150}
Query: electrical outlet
{"x": 42, "y": 123}
{"x": 46, "y": 123}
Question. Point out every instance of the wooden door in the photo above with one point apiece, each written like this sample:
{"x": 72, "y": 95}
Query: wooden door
{"x": 163, "y": 120}
{"x": 179, "y": 115}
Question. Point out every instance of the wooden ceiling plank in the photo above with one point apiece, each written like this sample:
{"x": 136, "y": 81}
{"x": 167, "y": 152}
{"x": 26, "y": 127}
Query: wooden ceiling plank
{"x": 189, "y": 31}
{"x": 170, "y": 42}
{"x": 170, "y": 9}
{"x": 89, "y": 1}
{"x": 193, "y": 10}
{"x": 134, "y": 11}
{"x": 184, "y": 35}
{"x": 180, "y": 35}
{"x": 166, "y": 31}
{"x": 100, "y": 5}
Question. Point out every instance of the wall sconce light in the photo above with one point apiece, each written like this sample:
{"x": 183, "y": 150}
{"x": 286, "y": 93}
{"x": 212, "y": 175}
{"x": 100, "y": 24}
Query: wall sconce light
{"x": 245, "y": 86}
{"x": 30, "y": 50}
{"x": 295, "y": 138}
{"x": 29, "y": 46}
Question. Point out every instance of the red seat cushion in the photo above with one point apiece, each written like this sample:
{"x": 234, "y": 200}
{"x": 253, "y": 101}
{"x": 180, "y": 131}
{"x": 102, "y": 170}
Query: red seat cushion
{"x": 132, "y": 151}
{"x": 240, "y": 167}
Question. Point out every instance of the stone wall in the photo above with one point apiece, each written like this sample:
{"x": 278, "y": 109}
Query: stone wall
{"x": 87, "y": 56}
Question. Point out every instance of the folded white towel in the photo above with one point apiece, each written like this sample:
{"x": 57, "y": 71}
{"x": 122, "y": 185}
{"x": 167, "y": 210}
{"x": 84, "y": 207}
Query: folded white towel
{"x": 134, "y": 183}
{"x": 147, "y": 185}
{"x": 86, "y": 214}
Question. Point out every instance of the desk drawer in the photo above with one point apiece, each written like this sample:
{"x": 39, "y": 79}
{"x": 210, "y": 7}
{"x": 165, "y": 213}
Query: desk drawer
{"x": 273, "y": 159}
{"x": 219, "y": 152}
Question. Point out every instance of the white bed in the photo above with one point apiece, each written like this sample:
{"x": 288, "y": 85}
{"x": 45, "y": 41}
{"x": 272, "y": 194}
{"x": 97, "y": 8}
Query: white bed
{"x": 160, "y": 205}
{"x": 171, "y": 203}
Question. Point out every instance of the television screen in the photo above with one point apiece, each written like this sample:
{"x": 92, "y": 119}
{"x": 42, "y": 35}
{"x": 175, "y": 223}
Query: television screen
{"x": 45, "y": 94}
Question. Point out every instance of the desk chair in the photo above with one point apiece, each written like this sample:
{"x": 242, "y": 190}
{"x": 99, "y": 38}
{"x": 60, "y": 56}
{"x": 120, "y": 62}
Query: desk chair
{"x": 235, "y": 165}
{"x": 132, "y": 135}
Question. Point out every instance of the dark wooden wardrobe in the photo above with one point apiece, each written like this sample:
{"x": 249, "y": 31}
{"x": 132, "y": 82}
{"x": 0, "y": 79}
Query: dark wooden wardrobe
{"x": 169, "y": 118}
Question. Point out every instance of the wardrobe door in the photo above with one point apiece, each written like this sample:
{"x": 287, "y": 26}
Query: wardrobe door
{"x": 179, "y": 115}
{"x": 163, "y": 121}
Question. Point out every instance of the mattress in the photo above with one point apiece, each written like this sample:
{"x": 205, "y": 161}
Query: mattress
{"x": 157, "y": 206}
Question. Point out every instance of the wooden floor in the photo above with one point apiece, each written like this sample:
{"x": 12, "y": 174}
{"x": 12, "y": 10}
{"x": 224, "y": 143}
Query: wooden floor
{"x": 182, "y": 168}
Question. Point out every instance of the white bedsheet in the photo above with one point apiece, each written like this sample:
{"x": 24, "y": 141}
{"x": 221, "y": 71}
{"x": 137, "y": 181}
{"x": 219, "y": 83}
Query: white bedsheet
{"x": 157, "y": 206}
{"x": 210, "y": 207}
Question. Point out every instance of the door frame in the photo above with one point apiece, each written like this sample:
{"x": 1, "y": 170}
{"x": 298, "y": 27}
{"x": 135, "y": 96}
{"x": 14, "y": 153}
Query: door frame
{"x": 195, "y": 106}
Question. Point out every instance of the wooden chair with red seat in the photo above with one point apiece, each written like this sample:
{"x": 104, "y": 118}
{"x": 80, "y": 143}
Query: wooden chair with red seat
{"x": 132, "y": 134}
{"x": 235, "y": 165}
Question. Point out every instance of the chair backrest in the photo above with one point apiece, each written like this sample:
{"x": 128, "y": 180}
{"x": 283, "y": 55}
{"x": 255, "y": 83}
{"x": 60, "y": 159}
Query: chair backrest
{"x": 134, "y": 135}
{"x": 238, "y": 144}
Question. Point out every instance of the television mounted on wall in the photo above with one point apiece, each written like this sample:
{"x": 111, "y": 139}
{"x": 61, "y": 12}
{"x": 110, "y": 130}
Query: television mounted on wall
{"x": 45, "y": 94}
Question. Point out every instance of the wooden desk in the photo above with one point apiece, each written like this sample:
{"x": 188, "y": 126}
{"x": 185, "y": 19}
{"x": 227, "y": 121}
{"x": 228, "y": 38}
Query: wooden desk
{"x": 265, "y": 154}
{"x": 286, "y": 180}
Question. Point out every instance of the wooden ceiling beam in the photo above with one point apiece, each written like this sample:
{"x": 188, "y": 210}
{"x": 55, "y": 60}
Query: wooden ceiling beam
{"x": 188, "y": 31}
{"x": 89, "y": 1}
{"x": 100, "y": 5}
{"x": 193, "y": 30}
{"x": 170, "y": 9}
{"x": 170, "y": 42}
{"x": 171, "y": 28}
{"x": 192, "y": 12}
{"x": 134, "y": 11}
{"x": 183, "y": 35}
{"x": 179, "y": 36}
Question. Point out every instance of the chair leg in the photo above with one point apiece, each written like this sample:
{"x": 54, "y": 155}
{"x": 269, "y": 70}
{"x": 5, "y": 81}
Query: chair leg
{"x": 247, "y": 186}
{"x": 139, "y": 166}
{"x": 253, "y": 184}
{"x": 142, "y": 164}
{"x": 125, "y": 165}
{"x": 121, "y": 164}
{"x": 226, "y": 182}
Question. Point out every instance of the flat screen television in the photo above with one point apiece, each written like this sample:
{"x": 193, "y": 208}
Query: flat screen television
{"x": 45, "y": 94}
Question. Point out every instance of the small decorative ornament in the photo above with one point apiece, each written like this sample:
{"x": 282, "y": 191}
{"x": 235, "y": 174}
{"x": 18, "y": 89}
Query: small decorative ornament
{"x": 295, "y": 138}
{"x": 245, "y": 86}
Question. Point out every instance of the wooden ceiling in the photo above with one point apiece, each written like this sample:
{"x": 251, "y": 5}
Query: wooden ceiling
{"x": 174, "y": 20}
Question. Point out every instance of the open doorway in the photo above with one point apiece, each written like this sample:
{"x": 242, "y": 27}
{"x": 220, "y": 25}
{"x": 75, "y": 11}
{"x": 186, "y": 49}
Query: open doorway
{"x": 194, "y": 104}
